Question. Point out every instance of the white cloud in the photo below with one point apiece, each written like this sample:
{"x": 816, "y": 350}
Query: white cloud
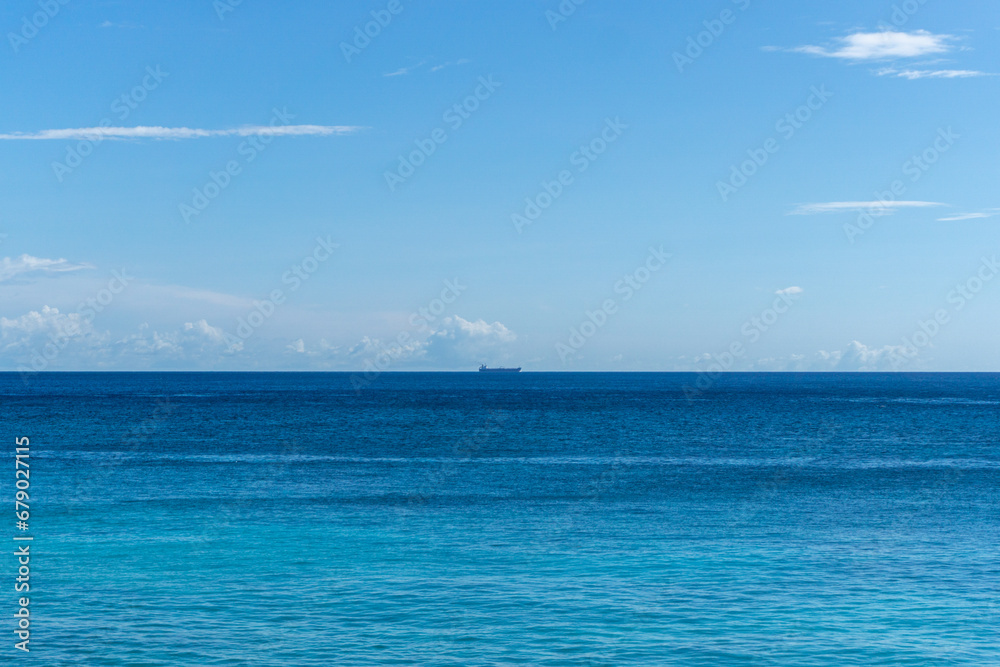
{"x": 460, "y": 342}
{"x": 989, "y": 213}
{"x": 789, "y": 291}
{"x": 455, "y": 343}
{"x": 964, "y": 216}
{"x": 436, "y": 68}
{"x": 316, "y": 356}
{"x": 859, "y": 357}
{"x": 46, "y": 338}
{"x": 194, "y": 342}
{"x": 856, "y": 356}
{"x": 405, "y": 70}
{"x": 10, "y": 268}
{"x": 124, "y": 24}
{"x": 160, "y": 294}
{"x": 931, "y": 73}
{"x": 882, "y": 207}
{"x": 460, "y": 61}
{"x": 158, "y": 132}
{"x": 882, "y": 45}
{"x": 47, "y": 320}
{"x": 323, "y": 349}
{"x": 203, "y": 331}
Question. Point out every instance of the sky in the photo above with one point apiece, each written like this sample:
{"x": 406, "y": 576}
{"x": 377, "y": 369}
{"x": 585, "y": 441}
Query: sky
{"x": 576, "y": 185}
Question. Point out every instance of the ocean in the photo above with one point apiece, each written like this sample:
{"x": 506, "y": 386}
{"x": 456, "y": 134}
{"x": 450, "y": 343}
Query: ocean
{"x": 507, "y": 519}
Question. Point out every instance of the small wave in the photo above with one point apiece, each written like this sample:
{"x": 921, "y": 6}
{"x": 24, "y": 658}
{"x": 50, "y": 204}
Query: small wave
{"x": 650, "y": 461}
{"x": 940, "y": 400}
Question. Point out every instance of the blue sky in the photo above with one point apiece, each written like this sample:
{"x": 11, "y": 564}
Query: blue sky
{"x": 822, "y": 176}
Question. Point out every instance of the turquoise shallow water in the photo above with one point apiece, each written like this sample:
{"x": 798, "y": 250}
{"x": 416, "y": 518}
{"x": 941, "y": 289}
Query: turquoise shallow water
{"x": 537, "y": 519}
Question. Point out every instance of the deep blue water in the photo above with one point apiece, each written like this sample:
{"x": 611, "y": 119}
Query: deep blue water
{"x": 536, "y": 519}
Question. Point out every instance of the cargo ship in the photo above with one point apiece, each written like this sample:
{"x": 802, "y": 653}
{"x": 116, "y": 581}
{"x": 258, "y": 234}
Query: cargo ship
{"x": 484, "y": 369}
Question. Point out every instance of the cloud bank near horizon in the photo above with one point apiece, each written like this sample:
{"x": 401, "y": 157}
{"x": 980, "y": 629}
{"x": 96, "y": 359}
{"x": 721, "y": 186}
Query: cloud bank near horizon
{"x": 50, "y": 339}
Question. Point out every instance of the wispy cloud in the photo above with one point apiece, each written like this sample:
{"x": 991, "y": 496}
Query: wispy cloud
{"x": 883, "y": 207}
{"x": 931, "y": 73}
{"x": 460, "y": 61}
{"x": 405, "y": 70}
{"x": 789, "y": 291}
{"x": 436, "y": 68}
{"x": 882, "y": 45}
{"x": 11, "y": 268}
{"x": 111, "y": 24}
{"x": 158, "y": 132}
{"x": 988, "y": 213}
{"x": 153, "y": 293}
